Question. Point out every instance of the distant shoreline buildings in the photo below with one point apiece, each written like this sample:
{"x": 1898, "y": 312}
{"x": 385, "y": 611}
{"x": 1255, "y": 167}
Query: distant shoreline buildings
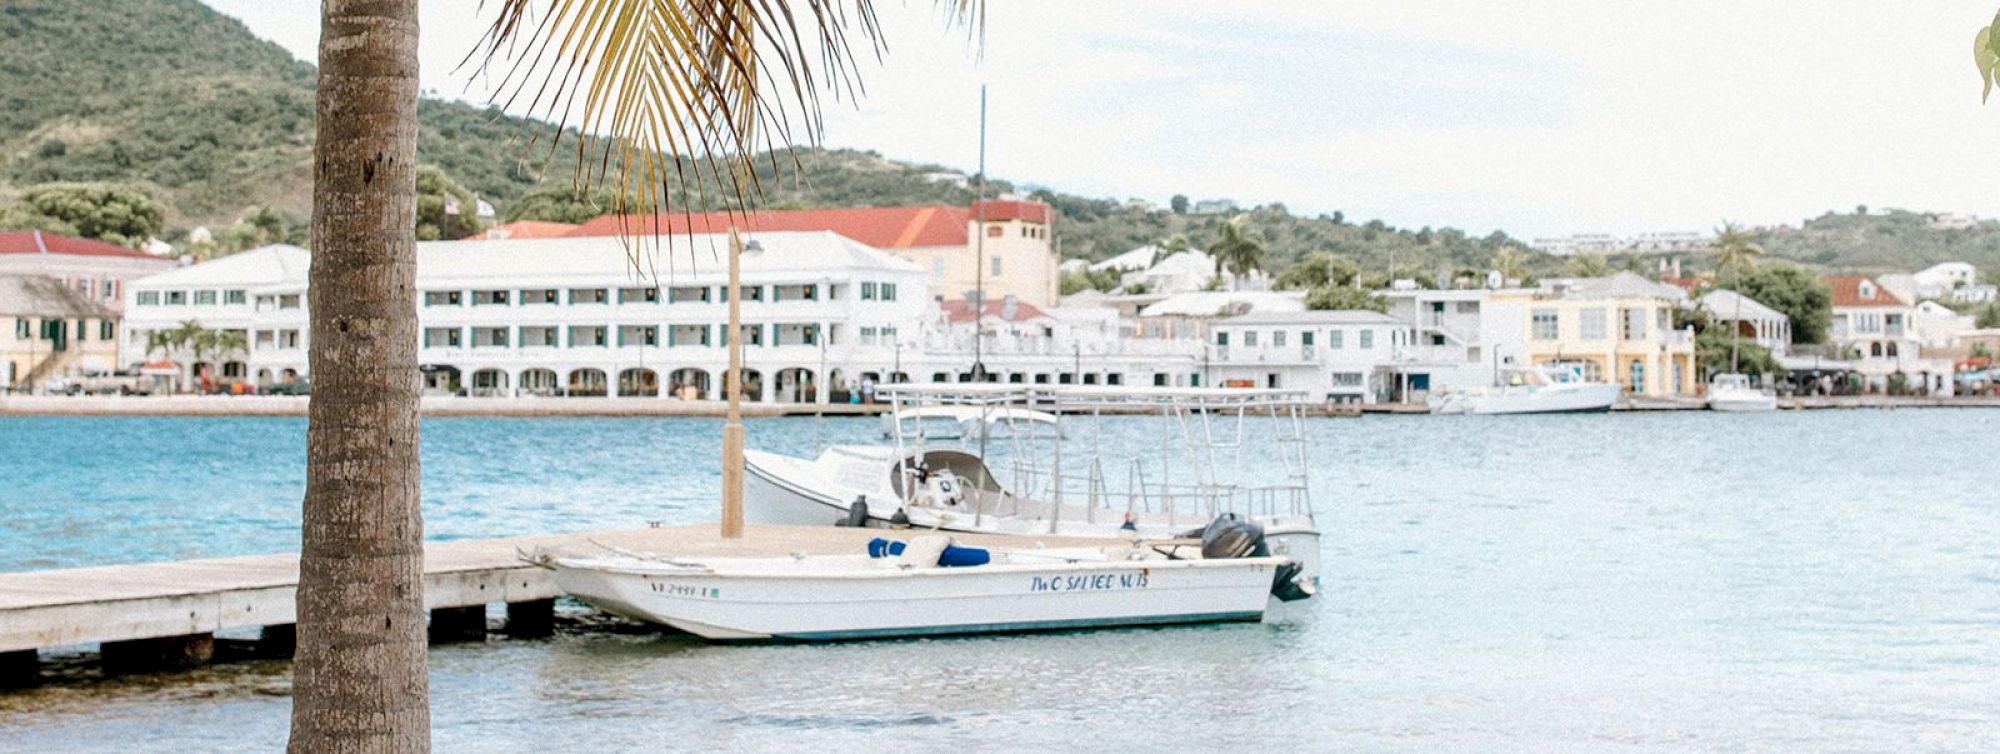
{"x": 837, "y": 300}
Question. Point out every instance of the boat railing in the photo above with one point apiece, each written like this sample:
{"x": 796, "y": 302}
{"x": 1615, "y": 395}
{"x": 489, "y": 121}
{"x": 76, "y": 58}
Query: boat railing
{"x": 1035, "y": 491}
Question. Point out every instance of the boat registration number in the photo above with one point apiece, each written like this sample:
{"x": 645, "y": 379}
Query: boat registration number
{"x": 1089, "y": 582}
{"x": 684, "y": 590}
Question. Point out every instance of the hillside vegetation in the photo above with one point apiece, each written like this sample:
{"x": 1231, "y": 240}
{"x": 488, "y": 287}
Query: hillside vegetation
{"x": 218, "y": 124}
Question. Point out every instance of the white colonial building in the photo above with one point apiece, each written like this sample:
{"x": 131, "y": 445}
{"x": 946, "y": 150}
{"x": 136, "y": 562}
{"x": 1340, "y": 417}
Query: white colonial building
{"x": 579, "y": 316}
{"x": 1337, "y": 356}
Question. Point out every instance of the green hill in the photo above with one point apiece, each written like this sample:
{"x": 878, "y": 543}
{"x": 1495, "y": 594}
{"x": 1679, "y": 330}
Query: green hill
{"x": 185, "y": 100}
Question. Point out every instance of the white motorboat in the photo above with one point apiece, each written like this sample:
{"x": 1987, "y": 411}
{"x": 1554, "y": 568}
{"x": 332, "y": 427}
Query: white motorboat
{"x": 928, "y": 588}
{"x": 1043, "y": 488}
{"x": 1733, "y": 392}
{"x": 1540, "y": 390}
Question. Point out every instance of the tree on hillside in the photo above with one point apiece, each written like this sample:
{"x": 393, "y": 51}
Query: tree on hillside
{"x": 1318, "y": 269}
{"x": 124, "y": 214}
{"x": 1344, "y": 297}
{"x": 1179, "y": 204}
{"x": 1734, "y": 254}
{"x": 1511, "y": 264}
{"x": 561, "y": 203}
{"x": 665, "y": 78}
{"x": 1793, "y": 290}
{"x": 1237, "y": 249}
{"x": 1587, "y": 266}
{"x": 445, "y": 210}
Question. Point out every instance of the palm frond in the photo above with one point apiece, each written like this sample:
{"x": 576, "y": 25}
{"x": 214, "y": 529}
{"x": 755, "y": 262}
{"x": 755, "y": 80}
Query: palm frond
{"x": 670, "y": 100}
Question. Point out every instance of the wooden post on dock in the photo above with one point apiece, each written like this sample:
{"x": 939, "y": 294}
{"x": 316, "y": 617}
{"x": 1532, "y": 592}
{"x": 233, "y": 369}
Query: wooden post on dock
{"x": 732, "y": 430}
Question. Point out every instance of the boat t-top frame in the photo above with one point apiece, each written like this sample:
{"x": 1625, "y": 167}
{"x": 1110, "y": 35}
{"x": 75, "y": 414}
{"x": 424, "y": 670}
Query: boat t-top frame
{"x": 1204, "y": 434}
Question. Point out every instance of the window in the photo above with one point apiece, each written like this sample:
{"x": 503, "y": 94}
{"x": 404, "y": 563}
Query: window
{"x": 639, "y": 335}
{"x": 994, "y": 231}
{"x": 1347, "y": 379}
{"x": 888, "y": 291}
{"x": 937, "y": 267}
{"x": 587, "y": 336}
{"x": 1306, "y": 338}
{"x": 288, "y": 339}
{"x": 1546, "y": 326}
{"x": 587, "y": 296}
{"x": 539, "y": 337}
{"x": 234, "y": 297}
{"x": 1249, "y": 338}
{"x": 994, "y": 267}
{"x": 638, "y": 295}
{"x": 1635, "y": 324}
{"x": 109, "y": 290}
{"x": 750, "y": 293}
{"x": 1335, "y": 339}
{"x": 441, "y": 298}
{"x": 686, "y": 293}
{"x": 868, "y": 336}
{"x": 267, "y": 303}
{"x": 867, "y": 291}
{"x": 489, "y": 337}
{"x": 1367, "y": 339}
{"x": 176, "y": 298}
{"x": 149, "y": 298}
{"x": 204, "y": 298}
{"x": 106, "y": 329}
{"x": 888, "y": 334}
{"x": 540, "y": 296}
{"x": 288, "y": 301}
{"x": 1222, "y": 338}
{"x": 1277, "y": 339}
{"x": 491, "y": 298}
{"x": 1592, "y": 322}
{"x": 442, "y": 337}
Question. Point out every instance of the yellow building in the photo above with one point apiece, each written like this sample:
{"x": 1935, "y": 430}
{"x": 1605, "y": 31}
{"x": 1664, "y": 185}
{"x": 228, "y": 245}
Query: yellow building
{"x": 1615, "y": 329}
{"x": 49, "y": 330}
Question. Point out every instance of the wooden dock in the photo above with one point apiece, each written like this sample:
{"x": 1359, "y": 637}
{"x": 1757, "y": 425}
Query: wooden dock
{"x": 161, "y": 615}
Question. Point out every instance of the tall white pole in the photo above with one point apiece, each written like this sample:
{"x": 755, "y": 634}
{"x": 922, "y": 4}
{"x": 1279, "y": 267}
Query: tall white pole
{"x": 732, "y": 430}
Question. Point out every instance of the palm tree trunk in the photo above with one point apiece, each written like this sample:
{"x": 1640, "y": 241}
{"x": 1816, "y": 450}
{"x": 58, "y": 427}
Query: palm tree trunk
{"x": 359, "y": 683}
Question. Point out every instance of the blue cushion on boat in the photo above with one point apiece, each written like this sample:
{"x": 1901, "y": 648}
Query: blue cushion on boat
{"x": 883, "y": 548}
{"x": 957, "y": 557}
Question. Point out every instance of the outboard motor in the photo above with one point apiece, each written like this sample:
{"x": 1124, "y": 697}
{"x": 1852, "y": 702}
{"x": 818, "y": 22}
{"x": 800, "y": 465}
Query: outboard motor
{"x": 857, "y": 514}
{"x": 901, "y": 520}
{"x": 1287, "y": 586}
{"x": 1232, "y": 536}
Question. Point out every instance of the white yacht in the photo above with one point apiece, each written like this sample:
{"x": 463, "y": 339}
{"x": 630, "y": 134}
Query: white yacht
{"x": 1540, "y": 390}
{"x": 1733, "y": 392}
{"x": 1051, "y": 483}
{"x": 926, "y": 587}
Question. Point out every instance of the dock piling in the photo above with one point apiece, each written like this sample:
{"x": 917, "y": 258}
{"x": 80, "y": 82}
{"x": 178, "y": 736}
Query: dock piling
{"x": 532, "y": 619}
{"x": 158, "y": 653}
{"x": 20, "y": 669}
{"x": 458, "y": 623}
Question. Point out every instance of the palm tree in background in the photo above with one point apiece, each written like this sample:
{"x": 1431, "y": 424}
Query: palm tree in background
{"x": 671, "y": 98}
{"x": 1511, "y": 264}
{"x": 1734, "y": 251}
{"x": 1237, "y": 249}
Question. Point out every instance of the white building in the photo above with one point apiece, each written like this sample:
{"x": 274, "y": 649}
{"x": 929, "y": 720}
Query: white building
{"x": 574, "y": 316}
{"x": 1878, "y": 328}
{"x": 1338, "y": 356}
{"x": 1755, "y": 323}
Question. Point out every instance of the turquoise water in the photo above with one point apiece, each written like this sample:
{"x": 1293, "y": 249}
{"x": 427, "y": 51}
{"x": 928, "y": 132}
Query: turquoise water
{"x": 1675, "y": 581}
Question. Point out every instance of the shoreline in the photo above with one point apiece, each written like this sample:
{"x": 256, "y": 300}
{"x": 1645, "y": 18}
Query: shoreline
{"x": 445, "y": 406}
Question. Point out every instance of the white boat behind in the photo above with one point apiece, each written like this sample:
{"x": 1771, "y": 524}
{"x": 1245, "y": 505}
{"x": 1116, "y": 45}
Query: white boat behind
{"x": 1540, "y": 390}
{"x": 956, "y": 422}
{"x": 1732, "y": 392}
{"x": 907, "y": 592}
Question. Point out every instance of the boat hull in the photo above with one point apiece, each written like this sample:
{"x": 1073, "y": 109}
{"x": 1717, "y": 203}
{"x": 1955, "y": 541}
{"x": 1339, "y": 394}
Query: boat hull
{"x": 1594, "y": 398}
{"x": 900, "y": 603}
{"x": 1742, "y": 402}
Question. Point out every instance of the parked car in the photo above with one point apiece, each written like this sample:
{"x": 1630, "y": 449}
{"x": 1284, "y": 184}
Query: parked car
{"x": 299, "y": 386}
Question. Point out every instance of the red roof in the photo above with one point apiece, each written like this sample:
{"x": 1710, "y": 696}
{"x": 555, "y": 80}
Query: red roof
{"x": 37, "y": 242}
{"x": 521, "y": 229}
{"x": 959, "y": 311}
{"x": 1847, "y": 291}
{"x": 880, "y": 227}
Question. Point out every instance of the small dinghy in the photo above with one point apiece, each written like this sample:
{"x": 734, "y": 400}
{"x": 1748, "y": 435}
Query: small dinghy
{"x": 929, "y": 586}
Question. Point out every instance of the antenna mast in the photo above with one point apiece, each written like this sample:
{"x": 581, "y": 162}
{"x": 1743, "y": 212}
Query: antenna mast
{"x": 979, "y": 251}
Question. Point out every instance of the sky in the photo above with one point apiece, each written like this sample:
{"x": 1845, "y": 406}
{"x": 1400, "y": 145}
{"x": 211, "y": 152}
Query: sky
{"x": 1540, "y": 118}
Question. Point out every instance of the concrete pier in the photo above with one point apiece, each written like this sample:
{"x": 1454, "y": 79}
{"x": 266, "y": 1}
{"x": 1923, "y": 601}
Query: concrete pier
{"x": 150, "y": 616}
